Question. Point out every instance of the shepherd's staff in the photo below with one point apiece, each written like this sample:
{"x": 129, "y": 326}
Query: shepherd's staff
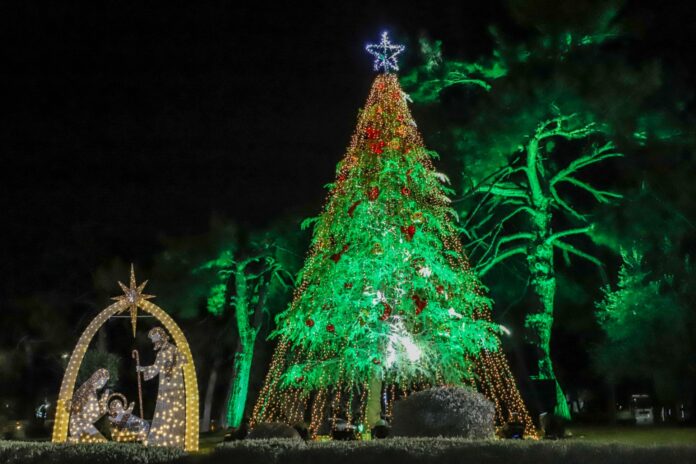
{"x": 136, "y": 356}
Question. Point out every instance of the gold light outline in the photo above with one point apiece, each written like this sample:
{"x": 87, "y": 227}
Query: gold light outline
{"x": 60, "y": 427}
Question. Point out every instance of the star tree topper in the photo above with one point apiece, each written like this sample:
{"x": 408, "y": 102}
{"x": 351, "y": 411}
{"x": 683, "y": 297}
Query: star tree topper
{"x": 385, "y": 54}
{"x": 134, "y": 296}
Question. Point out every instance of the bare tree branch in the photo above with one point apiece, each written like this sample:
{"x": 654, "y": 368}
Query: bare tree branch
{"x": 602, "y": 196}
{"x": 487, "y": 203}
{"x": 504, "y": 240}
{"x": 563, "y": 205}
{"x": 571, "y": 249}
{"x": 598, "y": 154}
{"x": 502, "y": 190}
{"x": 495, "y": 231}
{"x": 555, "y": 128}
{"x": 457, "y": 80}
{"x": 565, "y": 233}
{"x": 485, "y": 267}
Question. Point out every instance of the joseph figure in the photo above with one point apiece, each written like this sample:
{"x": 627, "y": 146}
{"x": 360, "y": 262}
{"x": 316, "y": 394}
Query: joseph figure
{"x": 169, "y": 422}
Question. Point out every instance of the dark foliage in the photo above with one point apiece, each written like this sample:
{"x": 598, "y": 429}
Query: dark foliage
{"x": 393, "y": 450}
{"x": 273, "y": 430}
{"x": 446, "y": 412}
{"x": 108, "y": 453}
{"x": 445, "y": 450}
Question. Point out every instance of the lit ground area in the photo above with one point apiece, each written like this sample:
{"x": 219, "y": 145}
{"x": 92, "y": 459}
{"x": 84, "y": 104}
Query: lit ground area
{"x": 634, "y": 435}
{"x": 626, "y": 435}
{"x": 588, "y": 445}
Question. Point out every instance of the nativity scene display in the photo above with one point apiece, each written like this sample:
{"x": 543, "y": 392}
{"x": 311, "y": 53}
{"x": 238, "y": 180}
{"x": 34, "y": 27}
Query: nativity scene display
{"x": 175, "y": 419}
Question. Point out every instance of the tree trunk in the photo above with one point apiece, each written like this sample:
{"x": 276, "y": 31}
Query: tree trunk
{"x": 208, "y": 401}
{"x": 612, "y": 402}
{"x": 543, "y": 281}
{"x": 224, "y": 412}
{"x": 373, "y": 409}
{"x": 240, "y": 384}
{"x": 239, "y": 387}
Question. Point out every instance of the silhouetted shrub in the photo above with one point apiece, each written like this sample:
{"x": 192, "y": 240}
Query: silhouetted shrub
{"x": 444, "y": 412}
{"x": 102, "y": 453}
{"x": 273, "y": 430}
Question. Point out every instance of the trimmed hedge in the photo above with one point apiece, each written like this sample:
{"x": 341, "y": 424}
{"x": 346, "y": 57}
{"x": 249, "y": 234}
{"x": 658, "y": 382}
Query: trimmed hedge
{"x": 446, "y": 450}
{"x": 270, "y": 430}
{"x": 444, "y": 412}
{"x": 14, "y": 452}
{"x": 387, "y": 451}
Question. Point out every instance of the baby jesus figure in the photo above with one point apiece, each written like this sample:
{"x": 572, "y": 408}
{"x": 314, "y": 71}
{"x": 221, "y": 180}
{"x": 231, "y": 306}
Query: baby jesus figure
{"x": 126, "y": 425}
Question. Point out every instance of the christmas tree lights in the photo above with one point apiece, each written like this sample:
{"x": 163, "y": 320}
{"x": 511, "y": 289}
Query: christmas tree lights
{"x": 387, "y": 304}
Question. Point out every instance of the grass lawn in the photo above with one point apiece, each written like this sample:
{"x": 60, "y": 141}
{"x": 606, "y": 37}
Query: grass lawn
{"x": 625, "y": 435}
{"x": 634, "y": 435}
{"x": 587, "y": 445}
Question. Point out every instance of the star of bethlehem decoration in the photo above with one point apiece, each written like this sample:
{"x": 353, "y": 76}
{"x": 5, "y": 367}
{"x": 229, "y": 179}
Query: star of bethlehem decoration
{"x": 134, "y": 296}
{"x": 385, "y": 54}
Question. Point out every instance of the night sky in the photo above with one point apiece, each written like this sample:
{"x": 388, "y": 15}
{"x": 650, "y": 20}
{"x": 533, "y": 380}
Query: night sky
{"x": 124, "y": 122}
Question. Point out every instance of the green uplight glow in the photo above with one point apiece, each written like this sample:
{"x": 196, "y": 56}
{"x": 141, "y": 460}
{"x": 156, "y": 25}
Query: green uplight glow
{"x": 387, "y": 300}
{"x": 242, "y": 287}
{"x": 378, "y": 290}
{"x": 529, "y": 190}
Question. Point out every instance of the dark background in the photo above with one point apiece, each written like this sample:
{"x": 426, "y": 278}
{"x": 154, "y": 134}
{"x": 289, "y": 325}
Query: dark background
{"x": 125, "y": 121}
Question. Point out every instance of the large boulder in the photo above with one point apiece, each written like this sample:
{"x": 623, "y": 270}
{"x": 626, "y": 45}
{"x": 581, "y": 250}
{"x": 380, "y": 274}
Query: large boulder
{"x": 273, "y": 430}
{"x": 444, "y": 412}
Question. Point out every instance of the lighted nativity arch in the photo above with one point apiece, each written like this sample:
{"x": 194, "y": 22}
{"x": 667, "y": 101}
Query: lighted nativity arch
{"x": 132, "y": 300}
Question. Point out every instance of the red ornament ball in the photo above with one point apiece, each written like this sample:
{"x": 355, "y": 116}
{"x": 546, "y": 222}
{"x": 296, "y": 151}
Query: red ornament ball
{"x": 420, "y": 303}
{"x": 331, "y": 328}
{"x": 372, "y": 133}
{"x": 405, "y": 191}
{"x": 387, "y": 311}
{"x": 373, "y": 193}
{"x": 309, "y": 322}
{"x": 378, "y": 147}
{"x": 409, "y": 231}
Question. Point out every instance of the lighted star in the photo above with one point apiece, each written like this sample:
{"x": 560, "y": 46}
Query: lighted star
{"x": 385, "y": 54}
{"x": 134, "y": 296}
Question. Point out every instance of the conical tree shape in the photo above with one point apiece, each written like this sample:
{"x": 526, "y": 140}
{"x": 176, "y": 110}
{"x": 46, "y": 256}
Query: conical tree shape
{"x": 387, "y": 304}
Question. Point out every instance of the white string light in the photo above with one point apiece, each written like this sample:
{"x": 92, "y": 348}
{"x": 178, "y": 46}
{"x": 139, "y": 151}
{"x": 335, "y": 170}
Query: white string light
{"x": 188, "y": 405}
{"x": 385, "y": 54}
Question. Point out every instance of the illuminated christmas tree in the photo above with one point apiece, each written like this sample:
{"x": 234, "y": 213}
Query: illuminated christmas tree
{"x": 387, "y": 304}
